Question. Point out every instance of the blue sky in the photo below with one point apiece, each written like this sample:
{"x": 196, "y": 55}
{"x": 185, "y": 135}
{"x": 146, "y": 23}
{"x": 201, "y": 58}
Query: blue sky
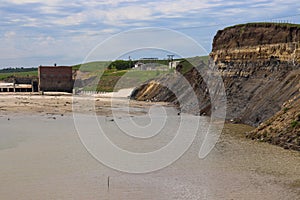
{"x": 35, "y": 32}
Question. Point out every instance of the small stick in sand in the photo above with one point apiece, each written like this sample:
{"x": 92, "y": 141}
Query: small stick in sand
{"x": 108, "y": 182}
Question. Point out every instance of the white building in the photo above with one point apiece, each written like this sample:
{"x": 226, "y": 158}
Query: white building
{"x": 173, "y": 64}
{"x": 139, "y": 65}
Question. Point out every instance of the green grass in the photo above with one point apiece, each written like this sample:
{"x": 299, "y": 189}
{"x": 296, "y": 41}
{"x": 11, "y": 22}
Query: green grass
{"x": 143, "y": 76}
{"x": 264, "y": 24}
{"x": 92, "y": 66}
{"x": 117, "y": 79}
{"x": 113, "y": 72}
{"x": 294, "y": 123}
{"x": 109, "y": 78}
{"x": 113, "y": 80}
{"x": 162, "y": 62}
{"x": 4, "y": 76}
{"x": 285, "y": 109}
{"x": 189, "y": 63}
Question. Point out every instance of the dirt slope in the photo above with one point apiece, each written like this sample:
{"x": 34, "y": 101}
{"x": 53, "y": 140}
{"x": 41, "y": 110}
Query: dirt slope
{"x": 260, "y": 67}
{"x": 283, "y": 128}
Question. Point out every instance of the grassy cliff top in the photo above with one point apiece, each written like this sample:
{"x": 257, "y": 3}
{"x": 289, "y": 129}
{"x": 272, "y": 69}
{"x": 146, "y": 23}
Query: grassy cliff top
{"x": 264, "y": 24}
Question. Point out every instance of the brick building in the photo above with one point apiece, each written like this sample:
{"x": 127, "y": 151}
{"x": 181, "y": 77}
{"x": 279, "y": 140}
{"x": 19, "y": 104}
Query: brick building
{"x": 56, "y": 79}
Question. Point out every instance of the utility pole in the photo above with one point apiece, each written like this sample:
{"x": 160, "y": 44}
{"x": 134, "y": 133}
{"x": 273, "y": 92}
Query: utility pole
{"x": 170, "y": 57}
{"x": 129, "y": 58}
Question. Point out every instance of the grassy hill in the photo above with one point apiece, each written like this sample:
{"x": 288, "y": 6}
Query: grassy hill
{"x": 92, "y": 66}
{"x": 109, "y": 78}
{"x": 19, "y": 72}
{"x": 117, "y": 79}
{"x": 189, "y": 63}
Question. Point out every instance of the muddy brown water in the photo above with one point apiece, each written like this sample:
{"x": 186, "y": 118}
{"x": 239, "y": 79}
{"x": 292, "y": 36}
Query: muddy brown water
{"x": 42, "y": 157}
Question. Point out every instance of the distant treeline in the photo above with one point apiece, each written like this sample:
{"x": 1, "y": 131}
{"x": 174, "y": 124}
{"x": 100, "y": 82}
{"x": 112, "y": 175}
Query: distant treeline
{"x": 21, "y": 69}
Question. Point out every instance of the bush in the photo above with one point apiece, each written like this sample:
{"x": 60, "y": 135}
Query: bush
{"x": 121, "y": 64}
{"x": 285, "y": 109}
{"x": 294, "y": 124}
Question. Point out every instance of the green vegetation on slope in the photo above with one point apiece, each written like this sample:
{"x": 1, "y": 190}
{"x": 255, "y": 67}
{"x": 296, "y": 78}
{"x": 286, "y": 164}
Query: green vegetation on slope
{"x": 121, "y": 64}
{"x": 188, "y": 63}
{"x": 92, "y": 66}
{"x": 6, "y": 74}
{"x": 117, "y": 79}
{"x": 113, "y": 79}
{"x": 112, "y": 75}
{"x": 264, "y": 24}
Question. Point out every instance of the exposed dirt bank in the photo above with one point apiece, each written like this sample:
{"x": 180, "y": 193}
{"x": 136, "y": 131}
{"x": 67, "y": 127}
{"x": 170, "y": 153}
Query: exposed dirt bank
{"x": 259, "y": 64}
{"x": 283, "y": 128}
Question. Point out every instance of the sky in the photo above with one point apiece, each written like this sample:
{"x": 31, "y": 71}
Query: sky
{"x": 44, "y": 32}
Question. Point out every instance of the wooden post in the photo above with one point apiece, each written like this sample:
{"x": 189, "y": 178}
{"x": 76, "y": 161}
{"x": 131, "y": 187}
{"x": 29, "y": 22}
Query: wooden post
{"x": 14, "y": 85}
{"x": 108, "y": 182}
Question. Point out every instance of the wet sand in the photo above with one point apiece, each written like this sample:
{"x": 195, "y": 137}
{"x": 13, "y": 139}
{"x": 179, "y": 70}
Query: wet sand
{"x": 53, "y": 104}
{"x": 42, "y": 157}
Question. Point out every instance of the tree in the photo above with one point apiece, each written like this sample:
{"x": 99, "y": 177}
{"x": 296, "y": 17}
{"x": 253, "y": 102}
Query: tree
{"x": 121, "y": 64}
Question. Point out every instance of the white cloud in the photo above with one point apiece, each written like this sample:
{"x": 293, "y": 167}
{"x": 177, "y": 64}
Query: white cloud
{"x": 126, "y": 12}
{"x": 45, "y": 41}
{"x": 109, "y": 30}
{"x": 74, "y": 19}
{"x": 180, "y": 6}
{"x": 48, "y": 2}
{"x": 117, "y": 15}
{"x": 82, "y": 24}
{"x": 9, "y": 34}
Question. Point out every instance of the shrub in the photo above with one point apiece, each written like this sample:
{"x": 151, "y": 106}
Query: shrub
{"x": 294, "y": 124}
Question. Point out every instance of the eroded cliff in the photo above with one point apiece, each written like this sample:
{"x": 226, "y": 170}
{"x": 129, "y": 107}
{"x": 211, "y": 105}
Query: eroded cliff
{"x": 259, "y": 64}
{"x": 257, "y": 41}
{"x": 177, "y": 88}
{"x": 283, "y": 128}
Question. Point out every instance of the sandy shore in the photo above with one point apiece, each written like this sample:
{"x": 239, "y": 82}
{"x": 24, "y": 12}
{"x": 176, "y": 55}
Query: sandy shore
{"x": 62, "y": 103}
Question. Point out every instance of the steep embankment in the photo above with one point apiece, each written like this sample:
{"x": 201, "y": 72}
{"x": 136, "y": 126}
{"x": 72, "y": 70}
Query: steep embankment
{"x": 283, "y": 128}
{"x": 268, "y": 57}
{"x": 257, "y": 41}
{"x": 177, "y": 89}
{"x": 259, "y": 64}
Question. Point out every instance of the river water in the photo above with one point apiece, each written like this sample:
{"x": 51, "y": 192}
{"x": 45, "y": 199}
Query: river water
{"x": 42, "y": 157}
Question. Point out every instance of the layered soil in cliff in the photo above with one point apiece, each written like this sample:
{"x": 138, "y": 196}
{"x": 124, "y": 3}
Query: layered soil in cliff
{"x": 283, "y": 128}
{"x": 259, "y": 64}
{"x": 257, "y": 41}
{"x": 254, "y": 93}
{"x": 253, "y": 34}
